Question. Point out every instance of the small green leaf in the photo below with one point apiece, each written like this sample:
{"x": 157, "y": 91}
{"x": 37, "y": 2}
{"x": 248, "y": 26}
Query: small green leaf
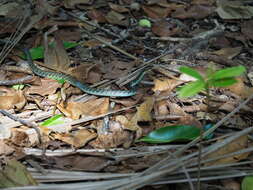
{"x": 171, "y": 134}
{"x": 191, "y": 88}
{"x": 223, "y": 82}
{"x": 144, "y": 23}
{"x": 247, "y": 183}
{"x": 191, "y": 72}
{"x": 55, "y": 120}
{"x": 18, "y": 86}
{"x": 229, "y": 72}
{"x": 38, "y": 52}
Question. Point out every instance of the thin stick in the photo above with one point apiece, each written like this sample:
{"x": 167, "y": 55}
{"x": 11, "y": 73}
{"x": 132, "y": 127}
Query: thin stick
{"x": 23, "y": 122}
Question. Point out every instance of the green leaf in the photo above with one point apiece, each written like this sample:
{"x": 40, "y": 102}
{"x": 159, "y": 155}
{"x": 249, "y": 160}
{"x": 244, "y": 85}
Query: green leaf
{"x": 38, "y": 52}
{"x": 247, "y": 183}
{"x": 18, "y": 86}
{"x": 171, "y": 134}
{"x": 145, "y": 23}
{"x": 228, "y": 72}
{"x": 191, "y": 88}
{"x": 223, "y": 82}
{"x": 55, "y": 120}
{"x": 191, "y": 72}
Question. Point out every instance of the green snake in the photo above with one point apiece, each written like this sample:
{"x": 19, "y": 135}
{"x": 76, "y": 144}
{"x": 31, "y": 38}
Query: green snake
{"x": 85, "y": 88}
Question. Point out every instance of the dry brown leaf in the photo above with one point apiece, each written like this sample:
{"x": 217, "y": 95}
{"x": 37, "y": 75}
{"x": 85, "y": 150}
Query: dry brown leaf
{"x": 115, "y": 137}
{"x": 12, "y": 99}
{"x": 164, "y": 28}
{"x": 93, "y": 107}
{"x": 5, "y": 149}
{"x": 116, "y": 18}
{"x": 78, "y": 139}
{"x": 72, "y": 3}
{"x": 144, "y": 110}
{"x": 156, "y": 12}
{"x": 231, "y": 184}
{"x": 118, "y": 8}
{"x": 161, "y": 108}
{"x": 236, "y": 145}
{"x": 96, "y": 15}
{"x": 195, "y": 11}
{"x": 228, "y": 53}
{"x": 240, "y": 88}
{"x": 47, "y": 87}
{"x": 165, "y": 84}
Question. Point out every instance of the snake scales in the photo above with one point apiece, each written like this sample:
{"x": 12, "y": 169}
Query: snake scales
{"x": 85, "y": 88}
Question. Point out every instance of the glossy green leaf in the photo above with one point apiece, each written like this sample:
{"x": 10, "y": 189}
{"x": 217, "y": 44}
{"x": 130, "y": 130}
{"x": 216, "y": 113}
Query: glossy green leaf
{"x": 55, "y": 120}
{"x": 247, "y": 183}
{"x": 191, "y": 89}
{"x": 192, "y": 72}
{"x": 223, "y": 82}
{"x": 171, "y": 134}
{"x": 38, "y": 52}
{"x": 229, "y": 72}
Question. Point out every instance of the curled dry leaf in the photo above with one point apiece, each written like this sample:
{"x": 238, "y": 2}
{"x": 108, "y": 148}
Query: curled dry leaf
{"x": 92, "y": 107}
{"x": 12, "y": 99}
{"x": 165, "y": 84}
{"x": 78, "y": 139}
{"x": 115, "y": 137}
{"x": 47, "y": 87}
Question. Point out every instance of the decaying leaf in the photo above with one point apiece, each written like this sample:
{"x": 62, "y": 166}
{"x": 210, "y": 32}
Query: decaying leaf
{"x": 15, "y": 175}
{"x": 47, "y": 87}
{"x": 93, "y": 107}
{"x": 236, "y": 145}
{"x": 12, "y": 99}
{"x": 78, "y": 138}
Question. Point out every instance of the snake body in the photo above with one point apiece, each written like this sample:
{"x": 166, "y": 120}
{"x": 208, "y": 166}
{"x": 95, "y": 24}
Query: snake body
{"x": 73, "y": 81}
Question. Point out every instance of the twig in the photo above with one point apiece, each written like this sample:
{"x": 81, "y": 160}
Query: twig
{"x": 22, "y": 80}
{"x": 23, "y": 122}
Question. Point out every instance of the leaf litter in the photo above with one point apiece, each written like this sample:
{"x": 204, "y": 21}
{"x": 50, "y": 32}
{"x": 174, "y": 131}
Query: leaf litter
{"x": 97, "y": 127}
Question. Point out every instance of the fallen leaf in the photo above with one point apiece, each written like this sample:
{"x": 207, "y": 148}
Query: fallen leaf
{"x": 115, "y": 137}
{"x": 4, "y": 148}
{"x": 118, "y": 8}
{"x": 234, "y": 10}
{"x": 165, "y": 84}
{"x": 164, "y": 28}
{"x": 96, "y": 15}
{"x": 93, "y": 107}
{"x": 236, "y": 145}
{"x": 116, "y": 18}
{"x": 78, "y": 138}
{"x": 12, "y": 99}
{"x": 228, "y": 53}
{"x": 47, "y": 87}
{"x": 156, "y": 12}
{"x": 195, "y": 11}
{"x": 15, "y": 174}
